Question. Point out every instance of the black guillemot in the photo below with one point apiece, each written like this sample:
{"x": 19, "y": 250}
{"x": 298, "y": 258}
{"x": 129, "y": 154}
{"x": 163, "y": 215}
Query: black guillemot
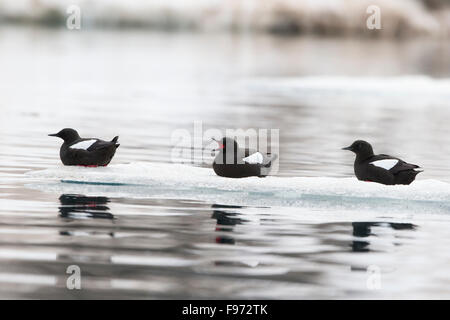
{"x": 381, "y": 168}
{"x": 235, "y": 162}
{"x": 89, "y": 152}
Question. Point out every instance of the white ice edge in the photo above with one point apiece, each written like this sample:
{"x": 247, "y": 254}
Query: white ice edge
{"x": 184, "y": 179}
{"x": 410, "y": 84}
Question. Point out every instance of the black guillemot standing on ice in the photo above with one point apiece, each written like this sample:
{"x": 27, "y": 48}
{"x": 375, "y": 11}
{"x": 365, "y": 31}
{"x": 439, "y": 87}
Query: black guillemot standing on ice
{"x": 89, "y": 152}
{"x": 235, "y": 162}
{"x": 381, "y": 168}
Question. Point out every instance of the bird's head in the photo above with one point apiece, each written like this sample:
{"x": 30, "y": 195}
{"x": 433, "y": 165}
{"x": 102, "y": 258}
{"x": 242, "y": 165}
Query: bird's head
{"x": 225, "y": 143}
{"x": 360, "y": 147}
{"x": 68, "y": 135}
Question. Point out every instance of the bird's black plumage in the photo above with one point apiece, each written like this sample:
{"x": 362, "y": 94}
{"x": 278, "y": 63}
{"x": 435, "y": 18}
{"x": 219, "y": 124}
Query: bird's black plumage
{"x": 235, "y": 162}
{"x": 85, "y": 151}
{"x": 381, "y": 168}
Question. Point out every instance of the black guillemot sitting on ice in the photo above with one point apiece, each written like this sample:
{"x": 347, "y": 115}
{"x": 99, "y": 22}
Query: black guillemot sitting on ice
{"x": 235, "y": 162}
{"x": 381, "y": 168}
{"x": 89, "y": 152}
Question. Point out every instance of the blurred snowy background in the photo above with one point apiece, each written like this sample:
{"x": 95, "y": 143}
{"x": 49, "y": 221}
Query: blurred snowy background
{"x": 324, "y": 17}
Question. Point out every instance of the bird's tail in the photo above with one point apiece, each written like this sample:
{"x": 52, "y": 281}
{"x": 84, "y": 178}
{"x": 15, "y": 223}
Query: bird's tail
{"x": 271, "y": 157}
{"x": 114, "y": 140}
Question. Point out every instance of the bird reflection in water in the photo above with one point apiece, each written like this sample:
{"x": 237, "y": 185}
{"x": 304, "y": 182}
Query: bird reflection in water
{"x": 74, "y": 206}
{"x": 226, "y": 220}
{"x": 364, "y": 230}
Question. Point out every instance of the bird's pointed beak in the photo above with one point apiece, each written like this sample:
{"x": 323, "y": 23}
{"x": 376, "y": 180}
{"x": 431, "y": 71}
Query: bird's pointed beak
{"x": 349, "y": 148}
{"x": 221, "y": 146}
{"x": 53, "y": 135}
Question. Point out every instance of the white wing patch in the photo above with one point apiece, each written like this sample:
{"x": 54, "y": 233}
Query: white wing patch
{"x": 385, "y": 164}
{"x": 84, "y": 145}
{"x": 256, "y": 158}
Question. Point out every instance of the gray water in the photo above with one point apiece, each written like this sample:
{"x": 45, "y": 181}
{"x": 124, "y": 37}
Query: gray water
{"x": 142, "y": 86}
